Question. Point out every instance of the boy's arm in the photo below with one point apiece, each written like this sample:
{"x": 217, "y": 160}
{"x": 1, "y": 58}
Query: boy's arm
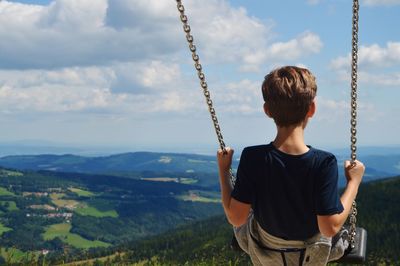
{"x": 329, "y": 225}
{"x": 236, "y": 212}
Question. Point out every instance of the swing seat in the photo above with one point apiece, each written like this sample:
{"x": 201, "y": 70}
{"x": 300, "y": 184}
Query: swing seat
{"x": 356, "y": 255}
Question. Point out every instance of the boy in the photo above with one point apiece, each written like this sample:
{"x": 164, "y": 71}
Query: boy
{"x": 285, "y": 205}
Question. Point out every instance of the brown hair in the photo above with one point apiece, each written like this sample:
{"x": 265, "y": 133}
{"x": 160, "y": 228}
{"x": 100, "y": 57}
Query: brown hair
{"x": 288, "y": 92}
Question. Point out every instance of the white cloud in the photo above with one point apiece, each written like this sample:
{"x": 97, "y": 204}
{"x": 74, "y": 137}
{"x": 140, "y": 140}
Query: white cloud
{"x": 227, "y": 34}
{"x": 74, "y": 33}
{"x": 173, "y": 101}
{"x": 332, "y": 111}
{"x": 146, "y": 77}
{"x": 390, "y": 79}
{"x": 70, "y": 33}
{"x": 72, "y": 15}
{"x": 54, "y": 99}
{"x": 372, "y": 56}
{"x": 149, "y": 14}
{"x": 242, "y": 97}
{"x": 373, "y": 60}
{"x": 372, "y": 79}
{"x": 77, "y": 89}
{"x": 381, "y": 2}
{"x": 152, "y": 87}
{"x": 305, "y": 44}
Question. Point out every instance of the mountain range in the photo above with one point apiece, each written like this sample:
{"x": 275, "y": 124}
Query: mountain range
{"x": 121, "y": 163}
{"x": 201, "y": 168}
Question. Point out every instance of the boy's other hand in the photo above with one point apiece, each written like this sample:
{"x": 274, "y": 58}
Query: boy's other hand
{"x": 225, "y": 158}
{"x": 354, "y": 173}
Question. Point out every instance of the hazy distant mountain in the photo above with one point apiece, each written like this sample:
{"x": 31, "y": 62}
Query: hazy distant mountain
{"x": 377, "y": 166}
{"x": 149, "y": 164}
{"x": 126, "y": 162}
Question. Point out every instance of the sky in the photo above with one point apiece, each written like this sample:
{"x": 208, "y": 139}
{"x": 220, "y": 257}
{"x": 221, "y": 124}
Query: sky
{"x": 118, "y": 73}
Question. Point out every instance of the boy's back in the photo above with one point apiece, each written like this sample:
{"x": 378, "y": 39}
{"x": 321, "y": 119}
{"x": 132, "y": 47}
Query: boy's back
{"x": 287, "y": 192}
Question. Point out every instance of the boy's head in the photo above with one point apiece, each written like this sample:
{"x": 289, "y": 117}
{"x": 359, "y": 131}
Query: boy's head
{"x": 288, "y": 93}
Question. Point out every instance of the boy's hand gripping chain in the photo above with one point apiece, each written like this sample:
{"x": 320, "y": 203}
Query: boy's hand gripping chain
{"x": 202, "y": 78}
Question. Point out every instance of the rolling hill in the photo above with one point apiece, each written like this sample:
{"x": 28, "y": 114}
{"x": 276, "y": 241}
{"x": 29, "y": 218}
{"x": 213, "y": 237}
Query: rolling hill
{"x": 201, "y": 169}
{"x": 120, "y": 163}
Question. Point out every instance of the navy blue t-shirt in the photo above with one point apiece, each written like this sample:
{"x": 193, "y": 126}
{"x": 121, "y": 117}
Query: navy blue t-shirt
{"x": 287, "y": 192}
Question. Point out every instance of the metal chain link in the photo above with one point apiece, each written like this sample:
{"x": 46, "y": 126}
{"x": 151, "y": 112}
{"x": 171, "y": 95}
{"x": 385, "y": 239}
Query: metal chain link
{"x": 202, "y": 78}
{"x": 353, "y": 120}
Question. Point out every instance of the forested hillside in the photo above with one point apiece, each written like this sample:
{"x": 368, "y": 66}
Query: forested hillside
{"x": 379, "y": 212}
{"x": 207, "y": 242}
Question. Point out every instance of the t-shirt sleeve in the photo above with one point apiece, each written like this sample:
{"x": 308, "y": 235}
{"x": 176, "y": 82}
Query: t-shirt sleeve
{"x": 327, "y": 196}
{"x": 243, "y": 190}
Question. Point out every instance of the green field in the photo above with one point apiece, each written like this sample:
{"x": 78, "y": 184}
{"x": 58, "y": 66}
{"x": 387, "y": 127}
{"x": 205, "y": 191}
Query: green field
{"x": 92, "y": 211}
{"x": 56, "y": 198}
{"x": 12, "y": 206}
{"x": 161, "y": 179}
{"x": 80, "y": 207}
{"x": 198, "y": 161}
{"x": 62, "y": 231}
{"x": 13, "y": 255}
{"x": 4, "y": 229}
{"x": 5, "y": 192}
{"x": 188, "y": 181}
{"x": 197, "y": 196}
{"x": 183, "y": 180}
{"x": 10, "y": 173}
{"x": 82, "y": 192}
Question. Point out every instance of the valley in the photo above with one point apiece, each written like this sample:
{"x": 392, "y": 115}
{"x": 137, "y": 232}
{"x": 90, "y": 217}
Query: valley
{"x": 52, "y": 213}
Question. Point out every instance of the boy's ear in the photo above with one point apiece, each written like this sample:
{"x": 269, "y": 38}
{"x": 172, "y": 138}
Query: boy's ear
{"x": 266, "y": 110}
{"x": 312, "y": 109}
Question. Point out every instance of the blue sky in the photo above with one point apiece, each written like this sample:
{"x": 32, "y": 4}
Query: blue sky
{"x": 118, "y": 73}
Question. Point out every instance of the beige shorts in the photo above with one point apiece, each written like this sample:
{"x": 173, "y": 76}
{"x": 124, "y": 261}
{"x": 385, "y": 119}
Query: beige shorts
{"x": 318, "y": 249}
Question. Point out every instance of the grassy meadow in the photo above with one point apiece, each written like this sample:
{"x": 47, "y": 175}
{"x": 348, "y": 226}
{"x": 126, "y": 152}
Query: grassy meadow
{"x": 62, "y": 231}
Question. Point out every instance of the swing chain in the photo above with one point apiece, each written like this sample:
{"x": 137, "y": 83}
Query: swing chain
{"x": 353, "y": 121}
{"x": 202, "y": 78}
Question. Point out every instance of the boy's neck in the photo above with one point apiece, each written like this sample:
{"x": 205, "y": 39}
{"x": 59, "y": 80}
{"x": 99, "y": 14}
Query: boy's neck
{"x": 291, "y": 140}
